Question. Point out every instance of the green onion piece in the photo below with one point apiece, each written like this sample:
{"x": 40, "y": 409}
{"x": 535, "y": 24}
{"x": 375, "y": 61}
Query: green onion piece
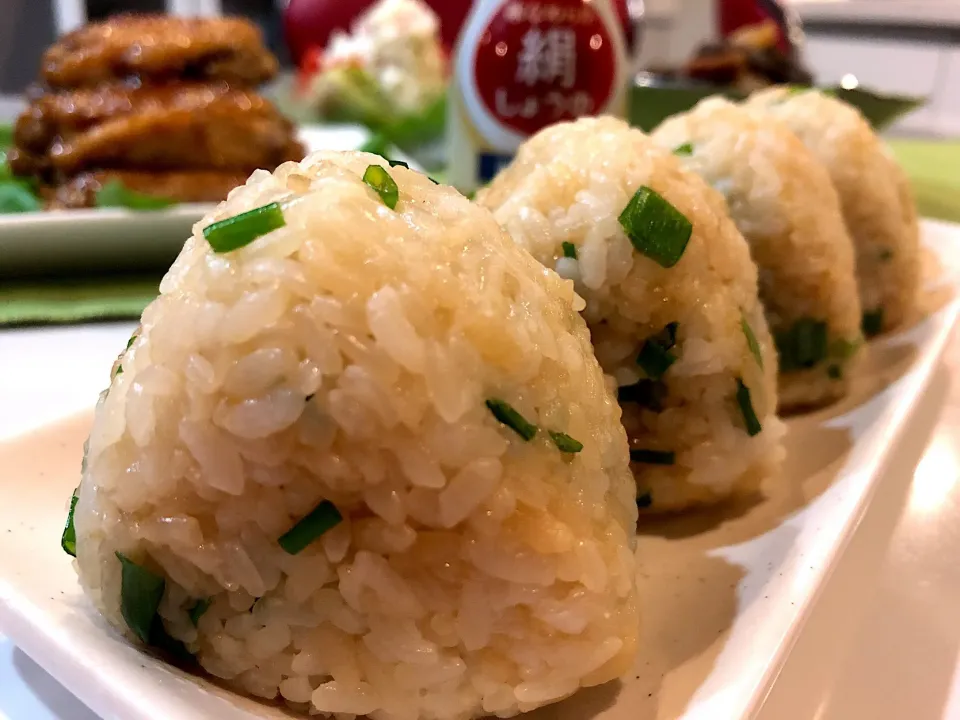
{"x": 844, "y": 349}
{"x": 380, "y": 180}
{"x": 655, "y": 357}
{"x": 503, "y": 412}
{"x": 644, "y": 501}
{"x": 68, "y": 541}
{"x": 685, "y": 149}
{"x": 140, "y": 594}
{"x": 872, "y": 323}
{"x": 323, "y": 517}
{"x": 115, "y": 194}
{"x": 17, "y": 197}
{"x": 397, "y": 163}
{"x": 235, "y": 232}
{"x": 435, "y": 182}
{"x": 131, "y": 341}
{"x": 835, "y": 372}
{"x": 569, "y": 250}
{"x": 653, "y": 457}
{"x": 751, "y": 340}
{"x": 655, "y": 227}
{"x": 198, "y": 609}
{"x": 649, "y": 394}
{"x": 566, "y": 443}
{"x": 746, "y": 408}
{"x": 803, "y": 345}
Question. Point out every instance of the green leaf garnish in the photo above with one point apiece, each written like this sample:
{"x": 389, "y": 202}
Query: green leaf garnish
{"x": 115, "y": 194}
{"x": 655, "y": 227}
{"x": 503, "y": 412}
{"x": 746, "y": 408}
{"x": 384, "y": 185}
{"x": 569, "y": 250}
{"x": 140, "y": 594}
{"x": 684, "y": 150}
{"x": 322, "y": 518}
{"x": 68, "y": 540}
{"x": 655, "y": 357}
{"x": 644, "y": 501}
{"x": 653, "y": 457}
{"x": 872, "y": 323}
{"x": 17, "y": 197}
{"x": 751, "y": 340}
{"x": 235, "y": 232}
{"x": 566, "y": 443}
{"x": 198, "y": 609}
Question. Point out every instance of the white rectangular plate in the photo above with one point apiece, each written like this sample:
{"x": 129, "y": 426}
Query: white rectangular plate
{"x": 114, "y": 239}
{"x": 723, "y": 593}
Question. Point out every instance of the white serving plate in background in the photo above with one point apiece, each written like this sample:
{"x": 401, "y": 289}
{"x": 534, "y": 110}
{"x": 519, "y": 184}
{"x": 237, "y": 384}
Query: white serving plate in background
{"x": 116, "y": 240}
{"x": 723, "y": 593}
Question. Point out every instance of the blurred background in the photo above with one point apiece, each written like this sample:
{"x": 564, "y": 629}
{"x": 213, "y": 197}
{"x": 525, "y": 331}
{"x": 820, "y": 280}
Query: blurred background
{"x": 901, "y": 47}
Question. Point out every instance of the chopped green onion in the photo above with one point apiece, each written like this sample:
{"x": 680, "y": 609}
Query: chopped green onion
{"x": 397, "y": 163}
{"x": 566, "y": 443}
{"x": 140, "y": 594}
{"x": 844, "y": 349}
{"x": 503, "y": 412}
{"x": 384, "y": 185}
{"x": 240, "y": 230}
{"x": 751, "y": 340}
{"x": 17, "y": 197}
{"x": 644, "y": 501}
{"x": 803, "y": 345}
{"x": 655, "y": 357}
{"x": 649, "y": 394}
{"x": 655, "y": 227}
{"x": 746, "y": 408}
{"x": 323, "y": 517}
{"x": 131, "y": 341}
{"x": 198, "y": 609}
{"x": 685, "y": 149}
{"x": 115, "y": 194}
{"x": 569, "y": 250}
{"x": 886, "y": 254}
{"x": 68, "y": 541}
{"x": 872, "y": 323}
{"x": 435, "y": 182}
{"x": 835, "y": 372}
{"x": 653, "y": 457}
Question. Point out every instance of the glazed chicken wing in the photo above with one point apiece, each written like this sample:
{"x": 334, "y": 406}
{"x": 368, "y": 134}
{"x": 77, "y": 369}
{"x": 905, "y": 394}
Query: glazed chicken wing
{"x": 159, "y": 48}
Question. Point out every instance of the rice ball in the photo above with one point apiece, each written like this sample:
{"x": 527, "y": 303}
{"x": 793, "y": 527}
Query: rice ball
{"x": 366, "y": 463}
{"x": 874, "y": 195}
{"x": 674, "y": 319}
{"x": 782, "y": 201}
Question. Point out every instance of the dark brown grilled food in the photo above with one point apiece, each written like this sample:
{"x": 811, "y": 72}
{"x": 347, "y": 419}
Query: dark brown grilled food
{"x": 178, "y": 186}
{"x": 156, "y": 47}
{"x": 191, "y": 125}
{"x": 164, "y": 105}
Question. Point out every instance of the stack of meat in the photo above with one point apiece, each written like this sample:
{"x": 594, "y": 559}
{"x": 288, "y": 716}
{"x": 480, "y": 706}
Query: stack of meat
{"x": 165, "y": 105}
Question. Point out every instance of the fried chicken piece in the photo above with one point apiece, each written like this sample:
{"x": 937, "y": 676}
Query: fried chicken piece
{"x": 199, "y": 126}
{"x": 178, "y": 186}
{"x": 158, "y": 47}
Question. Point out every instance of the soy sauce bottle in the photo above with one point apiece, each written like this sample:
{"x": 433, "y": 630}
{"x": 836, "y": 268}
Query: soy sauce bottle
{"x": 521, "y": 65}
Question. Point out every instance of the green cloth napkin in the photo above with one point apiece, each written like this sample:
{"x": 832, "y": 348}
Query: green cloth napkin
{"x": 933, "y": 167}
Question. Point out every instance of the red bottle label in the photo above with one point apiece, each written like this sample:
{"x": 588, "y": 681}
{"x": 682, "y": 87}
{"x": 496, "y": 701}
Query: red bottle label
{"x": 538, "y": 63}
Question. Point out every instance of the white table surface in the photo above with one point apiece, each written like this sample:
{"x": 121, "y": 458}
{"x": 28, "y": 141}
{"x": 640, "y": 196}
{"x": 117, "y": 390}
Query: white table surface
{"x": 882, "y": 642}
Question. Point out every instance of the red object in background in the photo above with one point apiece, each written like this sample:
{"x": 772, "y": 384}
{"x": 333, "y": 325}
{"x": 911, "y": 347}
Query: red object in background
{"x": 308, "y": 23}
{"x": 735, "y": 14}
